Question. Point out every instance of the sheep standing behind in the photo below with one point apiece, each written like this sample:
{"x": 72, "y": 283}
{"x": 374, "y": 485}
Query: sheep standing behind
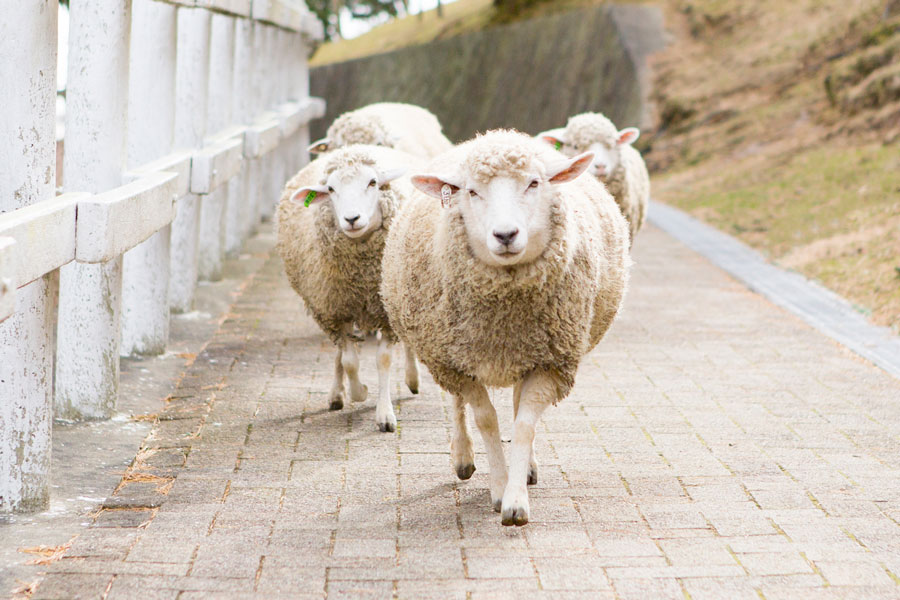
{"x": 616, "y": 163}
{"x": 510, "y": 285}
{"x": 332, "y": 225}
{"x": 405, "y": 127}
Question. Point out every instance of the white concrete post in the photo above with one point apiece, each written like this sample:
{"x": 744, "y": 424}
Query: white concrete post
{"x": 259, "y": 166}
{"x": 27, "y": 175}
{"x": 275, "y": 178}
{"x": 151, "y": 126}
{"x": 214, "y": 205}
{"x": 87, "y": 370}
{"x": 191, "y": 87}
{"x": 236, "y": 212}
{"x": 245, "y": 110}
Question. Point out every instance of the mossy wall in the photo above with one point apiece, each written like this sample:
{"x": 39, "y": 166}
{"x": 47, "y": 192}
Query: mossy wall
{"x": 531, "y": 76}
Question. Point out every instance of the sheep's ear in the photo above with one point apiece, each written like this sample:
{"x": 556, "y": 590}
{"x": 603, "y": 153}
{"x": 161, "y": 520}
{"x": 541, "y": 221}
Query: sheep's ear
{"x": 553, "y": 140}
{"x": 432, "y": 184}
{"x": 567, "y": 170}
{"x": 629, "y": 135}
{"x": 389, "y": 175}
{"x": 319, "y": 146}
{"x": 309, "y": 195}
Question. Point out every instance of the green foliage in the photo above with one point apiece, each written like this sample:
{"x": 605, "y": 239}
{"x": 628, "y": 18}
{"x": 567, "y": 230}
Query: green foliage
{"x": 328, "y": 11}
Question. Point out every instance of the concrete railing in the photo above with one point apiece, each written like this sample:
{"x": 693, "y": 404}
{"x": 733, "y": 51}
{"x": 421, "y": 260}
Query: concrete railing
{"x": 184, "y": 118}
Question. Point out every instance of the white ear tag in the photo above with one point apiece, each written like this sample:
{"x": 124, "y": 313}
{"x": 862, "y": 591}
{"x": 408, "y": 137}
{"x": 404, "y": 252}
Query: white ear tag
{"x": 445, "y": 196}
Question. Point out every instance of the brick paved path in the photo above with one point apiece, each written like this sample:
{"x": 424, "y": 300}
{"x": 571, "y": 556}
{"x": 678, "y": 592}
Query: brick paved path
{"x": 714, "y": 447}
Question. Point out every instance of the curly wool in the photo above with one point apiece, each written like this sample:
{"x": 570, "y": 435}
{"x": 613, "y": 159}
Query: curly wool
{"x": 337, "y": 277}
{"x": 405, "y": 127}
{"x": 629, "y": 183}
{"x": 469, "y": 321}
{"x": 588, "y": 128}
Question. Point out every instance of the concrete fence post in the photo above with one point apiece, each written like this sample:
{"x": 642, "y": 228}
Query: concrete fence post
{"x": 151, "y": 126}
{"x": 191, "y": 93}
{"x": 245, "y": 110}
{"x": 214, "y": 205}
{"x": 87, "y": 371}
{"x": 271, "y": 98}
{"x": 28, "y": 175}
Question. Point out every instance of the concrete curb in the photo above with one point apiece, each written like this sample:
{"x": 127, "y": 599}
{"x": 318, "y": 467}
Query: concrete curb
{"x": 823, "y": 309}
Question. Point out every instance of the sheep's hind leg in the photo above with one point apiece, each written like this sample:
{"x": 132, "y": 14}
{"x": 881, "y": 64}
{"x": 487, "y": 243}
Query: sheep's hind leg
{"x": 412, "y": 370}
{"x": 350, "y": 361}
{"x": 532, "y": 462}
{"x": 384, "y": 410}
{"x": 486, "y": 419}
{"x": 462, "y": 452}
{"x": 336, "y": 396}
{"x": 538, "y": 390}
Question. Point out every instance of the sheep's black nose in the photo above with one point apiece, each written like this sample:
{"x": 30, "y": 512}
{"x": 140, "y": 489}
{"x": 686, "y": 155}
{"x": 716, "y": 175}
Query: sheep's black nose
{"x": 352, "y": 220}
{"x": 506, "y": 237}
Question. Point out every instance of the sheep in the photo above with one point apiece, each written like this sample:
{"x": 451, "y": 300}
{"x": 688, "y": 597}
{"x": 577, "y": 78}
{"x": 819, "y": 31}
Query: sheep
{"x": 405, "y": 127}
{"x": 511, "y": 284}
{"x": 332, "y": 224}
{"x": 616, "y": 163}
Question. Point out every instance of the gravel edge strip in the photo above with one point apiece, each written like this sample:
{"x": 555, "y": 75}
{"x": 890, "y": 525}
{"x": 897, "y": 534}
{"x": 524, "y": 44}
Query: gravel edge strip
{"x": 819, "y": 307}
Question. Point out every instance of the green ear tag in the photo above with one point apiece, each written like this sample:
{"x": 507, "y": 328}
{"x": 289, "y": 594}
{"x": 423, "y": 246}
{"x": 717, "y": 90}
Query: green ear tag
{"x": 309, "y": 198}
{"x": 557, "y": 145}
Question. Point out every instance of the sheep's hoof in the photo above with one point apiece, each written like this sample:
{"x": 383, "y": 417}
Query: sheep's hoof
{"x": 337, "y": 403}
{"x": 497, "y": 505}
{"x": 532, "y": 475}
{"x": 517, "y": 516}
{"x": 359, "y": 394}
{"x": 387, "y": 427}
{"x": 465, "y": 471}
{"x": 413, "y": 388}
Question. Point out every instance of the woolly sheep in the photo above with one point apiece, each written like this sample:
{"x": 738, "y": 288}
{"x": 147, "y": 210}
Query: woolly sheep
{"x": 510, "y": 285}
{"x": 405, "y": 127}
{"x": 332, "y": 225}
{"x": 616, "y": 163}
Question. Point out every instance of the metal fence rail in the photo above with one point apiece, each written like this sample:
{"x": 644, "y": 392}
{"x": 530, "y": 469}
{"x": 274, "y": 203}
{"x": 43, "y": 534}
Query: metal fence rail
{"x": 183, "y": 120}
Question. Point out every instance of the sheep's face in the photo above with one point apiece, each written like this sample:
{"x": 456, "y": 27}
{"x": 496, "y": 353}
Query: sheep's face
{"x": 507, "y": 218}
{"x": 606, "y": 146}
{"x": 354, "y": 196}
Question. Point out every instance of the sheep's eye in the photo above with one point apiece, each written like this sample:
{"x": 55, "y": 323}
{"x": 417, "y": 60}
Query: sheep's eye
{"x": 473, "y": 193}
{"x": 533, "y": 184}
{"x": 330, "y": 190}
{"x": 372, "y": 183}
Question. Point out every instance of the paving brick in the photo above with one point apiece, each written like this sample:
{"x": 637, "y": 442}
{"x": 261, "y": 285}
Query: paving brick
{"x": 705, "y": 452}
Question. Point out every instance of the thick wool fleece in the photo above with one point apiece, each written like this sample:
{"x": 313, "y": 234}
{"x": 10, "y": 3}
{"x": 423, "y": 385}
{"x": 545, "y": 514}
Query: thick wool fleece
{"x": 469, "y": 321}
{"x": 339, "y": 277}
{"x": 406, "y": 127}
{"x": 629, "y": 183}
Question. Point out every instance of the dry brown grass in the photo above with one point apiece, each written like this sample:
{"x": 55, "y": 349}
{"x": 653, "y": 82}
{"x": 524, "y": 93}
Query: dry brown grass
{"x": 46, "y": 554}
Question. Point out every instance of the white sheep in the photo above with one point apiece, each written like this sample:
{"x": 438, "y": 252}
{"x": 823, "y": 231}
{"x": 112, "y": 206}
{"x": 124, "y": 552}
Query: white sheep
{"x": 511, "y": 284}
{"x": 406, "y": 127}
{"x": 616, "y": 163}
{"x": 332, "y": 225}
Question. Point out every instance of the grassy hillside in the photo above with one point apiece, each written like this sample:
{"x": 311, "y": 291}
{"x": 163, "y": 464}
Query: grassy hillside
{"x": 777, "y": 122}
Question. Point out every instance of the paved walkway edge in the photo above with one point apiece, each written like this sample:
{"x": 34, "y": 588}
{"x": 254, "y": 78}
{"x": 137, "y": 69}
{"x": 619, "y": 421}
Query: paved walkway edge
{"x": 823, "y": 309}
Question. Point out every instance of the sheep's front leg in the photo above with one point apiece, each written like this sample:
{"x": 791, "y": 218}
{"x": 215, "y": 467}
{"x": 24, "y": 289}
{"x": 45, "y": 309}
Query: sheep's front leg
{"x": 412, "y": 370}
{"x": 384, "y": 411}
{"x": 350, "y": 361}
{"x": 532, "y": 462}
{"x": 462, "y": 452}
{"x": 538, "y": 390}
{"x": 336, "y": 396}
{"x": 486, "y": 419}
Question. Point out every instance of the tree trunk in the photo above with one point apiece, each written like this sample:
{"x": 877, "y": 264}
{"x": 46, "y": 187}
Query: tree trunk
{"x": 440, "y": 9}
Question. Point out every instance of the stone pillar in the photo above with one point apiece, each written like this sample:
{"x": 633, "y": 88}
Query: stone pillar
{"x": 87, "y": 371}
{"x": 212, "y": 210}
{"x": 151, "y": 127}
{"x": 191, "y": 92}
{"x": 27, "y": 176}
